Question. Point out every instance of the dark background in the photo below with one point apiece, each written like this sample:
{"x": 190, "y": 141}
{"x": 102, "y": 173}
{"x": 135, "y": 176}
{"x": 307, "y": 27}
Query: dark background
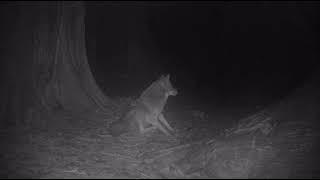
{"x": 218, "y": 52}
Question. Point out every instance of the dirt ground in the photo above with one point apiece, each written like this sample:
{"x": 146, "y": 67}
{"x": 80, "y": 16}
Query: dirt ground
{"x": 81, "y": 147}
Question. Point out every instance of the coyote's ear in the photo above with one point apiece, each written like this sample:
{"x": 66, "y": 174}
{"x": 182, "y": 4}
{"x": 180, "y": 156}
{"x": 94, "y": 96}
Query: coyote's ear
{"x": 168, "y": 76}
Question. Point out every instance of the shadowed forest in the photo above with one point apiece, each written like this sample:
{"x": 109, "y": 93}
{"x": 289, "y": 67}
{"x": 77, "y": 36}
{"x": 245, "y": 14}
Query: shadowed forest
{"x": 238, "y": 83}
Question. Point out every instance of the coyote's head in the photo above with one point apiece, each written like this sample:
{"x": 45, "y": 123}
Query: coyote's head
{"x": 166, "y": 84}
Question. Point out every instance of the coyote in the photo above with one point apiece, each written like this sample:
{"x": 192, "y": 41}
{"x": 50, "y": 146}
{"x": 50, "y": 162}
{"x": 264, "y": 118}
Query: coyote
{"x": 147, "y": 114}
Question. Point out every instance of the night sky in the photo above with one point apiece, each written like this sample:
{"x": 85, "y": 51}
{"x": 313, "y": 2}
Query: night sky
{"x": 222, "y": 52}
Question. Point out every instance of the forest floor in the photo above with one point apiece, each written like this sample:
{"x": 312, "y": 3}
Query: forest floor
{"x": 204, "y": 146}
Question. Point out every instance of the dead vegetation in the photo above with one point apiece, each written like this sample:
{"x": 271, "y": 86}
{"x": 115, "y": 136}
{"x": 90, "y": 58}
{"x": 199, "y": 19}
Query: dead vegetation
{"x": 257, "y": 147}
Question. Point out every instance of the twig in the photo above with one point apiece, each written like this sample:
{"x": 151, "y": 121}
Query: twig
{"x": 167, "y": 151}
{"x": 76, "y": 171}
{"x": 87, "y": 139}
{"x": 253, "y": 143}
{"x": 121, "y": 156}
{"x": 104, "y": 135}
{"x": 144, "y": 175}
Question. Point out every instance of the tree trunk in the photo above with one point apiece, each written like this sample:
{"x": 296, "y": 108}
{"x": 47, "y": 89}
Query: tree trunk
{"x": 47, "y": 66}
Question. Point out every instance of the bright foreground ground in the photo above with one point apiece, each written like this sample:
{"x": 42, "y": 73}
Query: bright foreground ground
{"x": 256, "y": 147}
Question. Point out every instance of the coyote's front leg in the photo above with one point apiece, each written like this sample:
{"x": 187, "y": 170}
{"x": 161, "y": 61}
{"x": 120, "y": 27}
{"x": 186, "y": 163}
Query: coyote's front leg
{"x": 165, "y": 122}
{"x": 158, "y": 125}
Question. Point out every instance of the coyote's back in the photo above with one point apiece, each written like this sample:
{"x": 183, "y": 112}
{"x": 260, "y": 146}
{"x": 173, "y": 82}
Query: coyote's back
{"x": 148, "y": 110}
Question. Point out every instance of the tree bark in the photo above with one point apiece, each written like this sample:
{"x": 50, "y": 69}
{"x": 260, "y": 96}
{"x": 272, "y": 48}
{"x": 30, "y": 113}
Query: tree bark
{"x": 47, "y": 64}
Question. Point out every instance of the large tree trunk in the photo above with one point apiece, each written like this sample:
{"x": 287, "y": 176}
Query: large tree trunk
{"x": 47, "y": 64}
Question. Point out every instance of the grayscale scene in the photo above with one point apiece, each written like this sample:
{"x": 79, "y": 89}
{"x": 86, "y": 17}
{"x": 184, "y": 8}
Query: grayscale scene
{"x": 159, "y": 89}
